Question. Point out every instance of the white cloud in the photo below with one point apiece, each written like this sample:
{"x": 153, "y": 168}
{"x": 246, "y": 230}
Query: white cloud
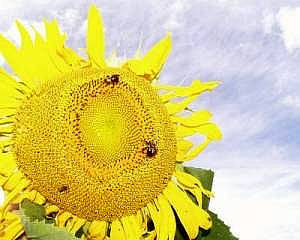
{"x": 268, "y": 22}
{"x": 291, "y": 101}
{"x": 240, "y": 123}
{"x": 69, "y": 17}
{"x": 178, "y": 8}
{"x": 259, "y": 203}
{"x": 288, "y": 20}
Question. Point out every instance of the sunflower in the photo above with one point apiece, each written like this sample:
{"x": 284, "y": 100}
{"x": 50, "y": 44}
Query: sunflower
{"x": 99, "y": 143}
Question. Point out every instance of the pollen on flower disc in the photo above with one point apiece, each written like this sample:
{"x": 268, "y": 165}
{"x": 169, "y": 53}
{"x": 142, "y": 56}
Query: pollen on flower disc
{"x": 98, "y": 144}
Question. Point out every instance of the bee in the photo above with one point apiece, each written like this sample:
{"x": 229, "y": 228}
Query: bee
{"x": 113, "y": 79}
{"x": 150, "y": 149}
{"x": 63, "y": 188}
{"x": 51, "y": 215}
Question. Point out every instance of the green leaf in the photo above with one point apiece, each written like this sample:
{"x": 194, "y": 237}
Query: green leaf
{"x": 205, "y": 177}
{"x": 32, "y": 210}
{"x": 33, "y": 220}
{"x": 218, "y": 231}
{"x": 42, "y": 231}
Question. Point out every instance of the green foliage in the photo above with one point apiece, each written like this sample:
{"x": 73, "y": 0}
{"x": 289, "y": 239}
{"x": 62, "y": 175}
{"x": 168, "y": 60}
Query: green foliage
{"x": 219, "y": 231}
{"x": 42, "y": 231}
{"x": 32, "y": 210}
{"x": 33, "y": 219}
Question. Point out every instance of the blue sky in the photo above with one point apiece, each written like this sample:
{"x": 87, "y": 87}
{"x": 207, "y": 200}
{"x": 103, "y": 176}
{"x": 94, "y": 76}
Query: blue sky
{"x": 253, "y": 48}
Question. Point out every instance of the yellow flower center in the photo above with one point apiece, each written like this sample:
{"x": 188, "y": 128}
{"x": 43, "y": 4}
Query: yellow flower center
{"x": 98, "y": 144}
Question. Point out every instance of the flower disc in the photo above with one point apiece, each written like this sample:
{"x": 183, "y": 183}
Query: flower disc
{"x": 96, "y": 143}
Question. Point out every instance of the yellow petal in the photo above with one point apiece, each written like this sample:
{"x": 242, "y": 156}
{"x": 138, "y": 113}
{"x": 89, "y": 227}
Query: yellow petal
{"x": 95, "y": 38}
{"x": 192, "y": 184}
{"x": 117, "y": 231}
{"x": 13, "y": 181}
{"x": 132, "y": 229}
{"x": 183, "y": 146}
{"x": 141, "y": 220}
{"x": 167, "y": 219}
{"x": 152, "y": 63}
{"x": 162, "y": 234}
{"x": 11, "y": 217}
{"x": 3, "y": 179}
{"x": 4, "y": 121}
{"x": 56, "y": 44}
{"x": 22, "y": 184}
{"x": 47, "y": 68}
{"x": 13, "y": 57}
{"x": 7, "y": 79}
{"x": 74, "y": 224}
{"x": 155, "y": 217}
{"x": 163, "y": 218}
{"x": 30, "y": 195}
{"x": 12, "y": 231}
{"x": 54, "y": 38}
{"x": 63, "y": 218}
{"x": 190, "y": 92}
{"x": 195, "y": 151}
{"x": 6, "y": 129}
{"x": 182, "y": 131}
{"x": 180, "y": 106}
{"x": 209, "y": 130}
{"x": 7, "y": 111}
{"x": 34, "y": 65}
{"x": 7, "y": 164}
{"x": 39, "y": 199}
{"x": 187, "y": 179}
{"x": 27, "y": 56}
{"x": 98, "y": 229}
{"x": 196, "y": 88}
{"x": 26, "y": 41}
{"x": 51, "y": 209}
{"x": 77, "y": 225}
{"x": 191, "y": 215}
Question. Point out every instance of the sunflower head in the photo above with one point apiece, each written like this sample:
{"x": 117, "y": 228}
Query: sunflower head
{"x": 99, "y": 144}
